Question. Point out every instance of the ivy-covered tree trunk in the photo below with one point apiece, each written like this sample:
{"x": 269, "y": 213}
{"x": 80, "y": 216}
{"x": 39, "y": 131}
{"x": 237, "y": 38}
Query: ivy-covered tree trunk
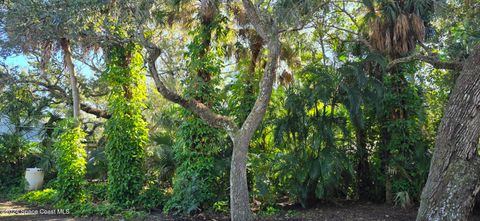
{"x": 126, "y": 129}
{"x": 199, "y": 180}
{"x": 70, "y": 160}
{"x": 402, "y": 145}
{"x": 71, "y": 155}
{"x": 454, "y": 178}
{"x": 384, "y": 153}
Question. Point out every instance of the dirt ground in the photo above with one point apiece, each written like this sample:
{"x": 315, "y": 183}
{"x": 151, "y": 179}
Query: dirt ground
{"x": 19, "y": 212}
{"x": 352, "y": 211}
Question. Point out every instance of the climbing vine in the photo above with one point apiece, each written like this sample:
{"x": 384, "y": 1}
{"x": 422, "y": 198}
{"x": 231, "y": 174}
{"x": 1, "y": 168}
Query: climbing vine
{"x": 126, "y": 130}
{"x": 70, "y": 160}
{"x": 405, "y": 150}
{"x": 200, "y": 149}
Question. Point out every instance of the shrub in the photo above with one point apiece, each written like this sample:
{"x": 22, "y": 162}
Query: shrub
{"x": 13, "y": 152}
{"x": 151, "y": 198}
{"x": 97, "y": 191}
{"x": 198, "y": 184}
{"x": 221, "y": 206}
{"x": 14, "y": 191}
{"x": 108, "y": 210}
{"x": 403, "y": 199}
{"x": 91, "y": 209}
{"x": 40, "y": 197}
{"x": 131, "y": 215}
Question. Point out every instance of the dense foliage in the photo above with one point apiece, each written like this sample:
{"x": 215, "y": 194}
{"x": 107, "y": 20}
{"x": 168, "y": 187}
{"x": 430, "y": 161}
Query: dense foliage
{"x": 126, "y": 132}
{"x": 70, "y": 161}
{"x": 200, "y": 150}
{"x": 168, "y": 90}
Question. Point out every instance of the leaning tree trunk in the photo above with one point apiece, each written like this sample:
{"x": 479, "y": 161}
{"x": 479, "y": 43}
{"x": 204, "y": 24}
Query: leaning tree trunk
{"x": 453, "y": 181}
{"x": 67, "y": 57}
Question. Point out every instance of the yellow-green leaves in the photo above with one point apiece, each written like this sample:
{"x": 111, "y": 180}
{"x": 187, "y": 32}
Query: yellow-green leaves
{"x": 126, "y": 130}
{"x": 70, "y": 160}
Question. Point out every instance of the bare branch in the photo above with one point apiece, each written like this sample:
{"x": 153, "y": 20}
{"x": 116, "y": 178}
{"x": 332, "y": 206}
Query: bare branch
{"x": 434, "y": 61}
{"x": 352, "y": 18}
{"x": 92, "y": 66}
{"x": 296, "y": 28}
{"x": 59, "y": 93}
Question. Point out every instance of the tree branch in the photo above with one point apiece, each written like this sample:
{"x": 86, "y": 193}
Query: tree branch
{"x": 60, "y": 93}
{"x": 198, "y": 108}
{"x": 95, "y": 111}
{"x": 92, "y": 66}
{"x": 257, "y": 21}
{"x": 434, "y": 61}
{"x": 269, "y": 32}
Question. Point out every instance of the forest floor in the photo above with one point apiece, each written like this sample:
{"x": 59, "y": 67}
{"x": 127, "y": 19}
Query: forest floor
{"x": 350, "y": 211}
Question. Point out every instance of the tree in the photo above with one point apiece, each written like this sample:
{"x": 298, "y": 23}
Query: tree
{"x": 20, "y": 114}
{"x": 454, "y": 178}
{"x": 33, "y": 26}
{"x": 67, "y": 58}
{"x": 125, "y": 130}
{"x": 267, "y": 29}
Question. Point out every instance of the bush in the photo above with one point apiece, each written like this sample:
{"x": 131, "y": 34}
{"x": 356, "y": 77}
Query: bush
{"x": 40, "y": 197}
{"x": 14, "y": 150}
{"x": 96, "y": 191}
{"x": 152, "y": 198}
{"x": 111, "y": 211}
{"x": 92, "y": 209}
{"x": 221, "y": 206}
{"x": 196, "y": 187}
{"x": 14, "y": 191}
{"x": 131, "y": 215}
{"x": 201, "y": 175}
{"x": 270, "y": 211}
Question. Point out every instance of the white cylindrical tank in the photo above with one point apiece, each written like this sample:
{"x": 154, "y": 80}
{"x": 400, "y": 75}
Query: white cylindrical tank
{"x": 34, "y": 177}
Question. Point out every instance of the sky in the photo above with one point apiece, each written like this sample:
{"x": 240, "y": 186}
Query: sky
{"x": 21, "y": 61}
{"x": 17, "y": 60}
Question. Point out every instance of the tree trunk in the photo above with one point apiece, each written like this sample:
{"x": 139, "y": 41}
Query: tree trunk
{"x": 239, "y": 201}
{"x": 67, "y": 57}
{"x": 363, "y": 168}
{"x": 239, "y": 207}
{"x": 385, "y": 162}
{"x": 388, "y": 188}
{"x": 453, "y": 181}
